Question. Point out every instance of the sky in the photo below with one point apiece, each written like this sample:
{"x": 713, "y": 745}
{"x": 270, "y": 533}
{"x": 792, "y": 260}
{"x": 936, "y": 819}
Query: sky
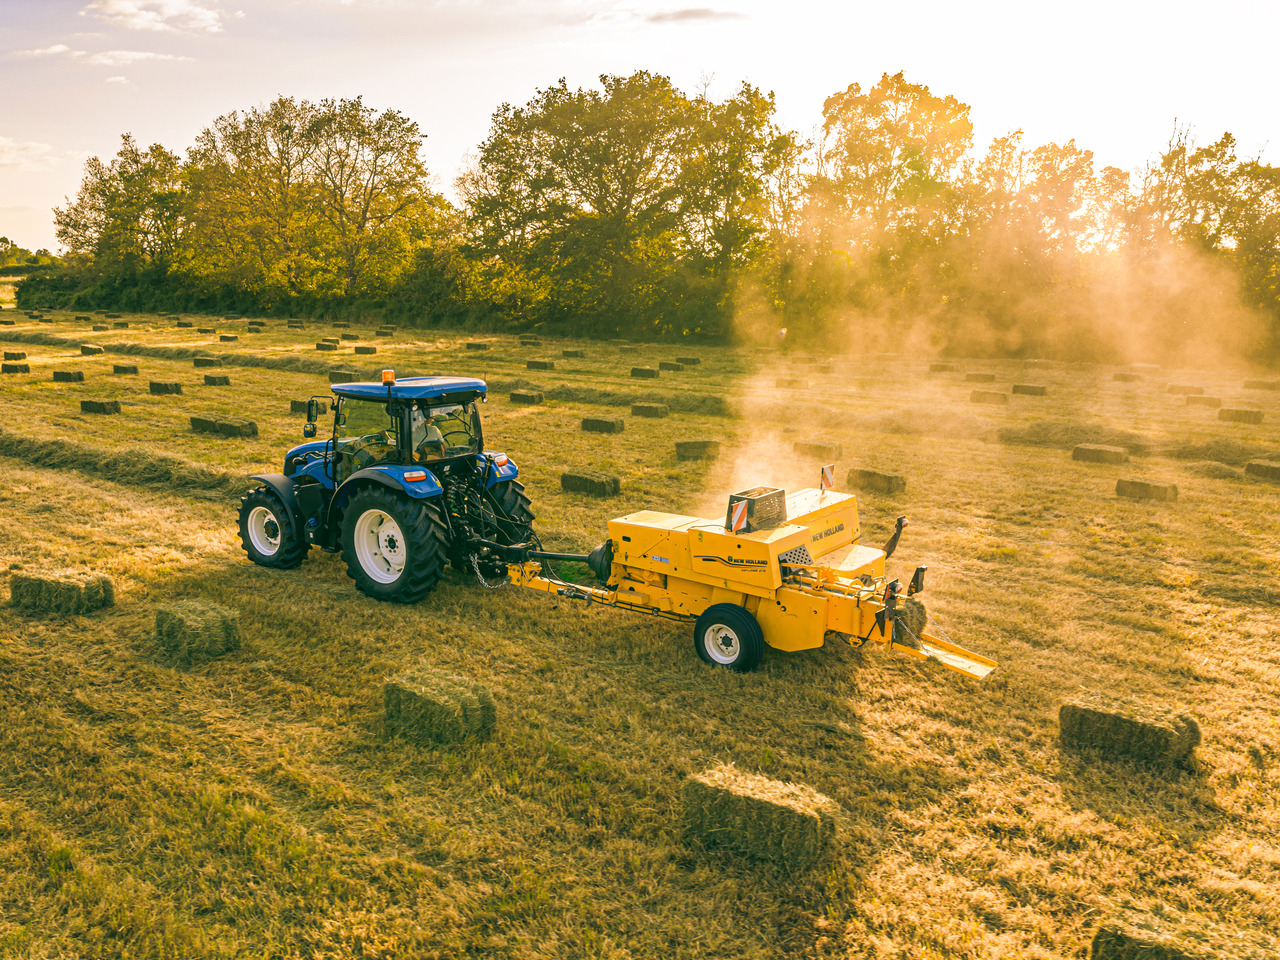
{"x": 1114, "y": 76}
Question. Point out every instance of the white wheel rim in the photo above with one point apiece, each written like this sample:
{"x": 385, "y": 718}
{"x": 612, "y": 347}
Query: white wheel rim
{"x": 380, "y": 546}
{"x": 261, "y": 524}
{"x": 721, "y": 643}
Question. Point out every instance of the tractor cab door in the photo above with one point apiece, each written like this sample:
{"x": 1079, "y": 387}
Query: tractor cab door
{"x": 365, "y": 434}
{"x": 443, "y": 431}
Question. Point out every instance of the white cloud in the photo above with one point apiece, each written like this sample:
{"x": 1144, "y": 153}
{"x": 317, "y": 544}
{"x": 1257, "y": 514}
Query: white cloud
{"x": 121, "y": 58}
{"x": 156, "y": 14}
{"x": 51, "y": 51}
{"x": 23, "y": 154}
{"x": 116, "y": 80}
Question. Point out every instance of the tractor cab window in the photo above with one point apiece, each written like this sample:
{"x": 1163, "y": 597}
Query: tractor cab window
{"x": 364, "y": 434}
{"x": 445, "y": 430}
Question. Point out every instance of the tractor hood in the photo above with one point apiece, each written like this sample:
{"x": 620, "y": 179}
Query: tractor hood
{"x": 302, "y": 449}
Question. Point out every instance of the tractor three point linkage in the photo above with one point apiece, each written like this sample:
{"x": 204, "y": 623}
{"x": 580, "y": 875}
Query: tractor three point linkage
{"x": 404, "y": 486}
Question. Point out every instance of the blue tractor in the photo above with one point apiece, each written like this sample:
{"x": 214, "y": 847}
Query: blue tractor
{"x": 401, "y": 488}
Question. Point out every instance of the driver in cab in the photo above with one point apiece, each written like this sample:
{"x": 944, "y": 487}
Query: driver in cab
{"x": 428, "y": 441}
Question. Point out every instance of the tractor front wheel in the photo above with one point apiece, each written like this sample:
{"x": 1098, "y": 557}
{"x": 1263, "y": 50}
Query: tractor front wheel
{"x": 726, "y": 635}
{"x": 266, "y": 532}
{"x": 394, "y": 545}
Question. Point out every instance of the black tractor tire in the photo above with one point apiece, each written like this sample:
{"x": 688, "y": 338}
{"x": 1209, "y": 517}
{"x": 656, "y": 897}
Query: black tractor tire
{"x": 266, "y": 531}
{"x": 726, "y": 635}
{"x": 401, "y": 554}
{"x": 510, "y": 498}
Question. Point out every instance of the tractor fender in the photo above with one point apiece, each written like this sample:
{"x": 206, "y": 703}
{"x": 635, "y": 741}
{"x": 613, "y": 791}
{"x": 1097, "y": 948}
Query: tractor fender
{"x": 284, "y": 487}
{"x": 497, "y": 474}
{"x": 387, "y": 475}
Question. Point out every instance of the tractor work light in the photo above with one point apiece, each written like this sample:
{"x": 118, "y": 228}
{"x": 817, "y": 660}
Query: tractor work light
{"x": 388, "y": 376}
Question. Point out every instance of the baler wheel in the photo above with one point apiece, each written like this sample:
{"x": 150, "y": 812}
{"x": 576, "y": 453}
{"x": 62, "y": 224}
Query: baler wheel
{"x": 726, "y": 635}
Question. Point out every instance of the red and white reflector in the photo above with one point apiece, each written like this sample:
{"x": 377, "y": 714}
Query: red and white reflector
{"x": 828, "y": 476}
{"x": 738, "y": 520}
{"x": 412, "y": 475}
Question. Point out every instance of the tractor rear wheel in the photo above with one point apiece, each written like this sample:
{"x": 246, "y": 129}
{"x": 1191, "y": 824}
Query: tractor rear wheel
{"x": 507, "y": 518}
{"x": 726, "y": 635}
{"x": 394, "y": 545}
{"x": 266, "y": 532}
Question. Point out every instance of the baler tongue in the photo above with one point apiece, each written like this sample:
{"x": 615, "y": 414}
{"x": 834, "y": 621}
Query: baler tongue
{"x": 956, "y": 657}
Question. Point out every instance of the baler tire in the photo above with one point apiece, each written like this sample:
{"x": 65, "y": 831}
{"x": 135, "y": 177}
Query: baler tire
{"x": 746, "y": 645}
{"x": 424, "y": 544}
{"x": 261, "y": 512}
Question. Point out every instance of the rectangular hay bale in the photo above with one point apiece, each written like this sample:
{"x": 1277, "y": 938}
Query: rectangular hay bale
{"x": 185, "y": 324}
{"x": 366, "y": 351}
{"x": 68, "y": 376}
{"x": 862, "y": 478}
{"x": 216, "y": 380}
{"x": 1127, "y": 728}
{"x": 99, "y": 406}
{"x": 15, "y": 368}
{"x": 526, "y": 396}
{"x": 591, "y": 482}
{"x": 477, "y": 345}
{"x": 206, "y": 329}
{"x": 69, "y": 593}
{"x": 207, "y": 361}
{"x": 436, "y": 708}
{"x": 297, "y": 406}
{"x": 322, "y": 345}
{"x": 99, "y": 327}
{"x": 344, "y": 376}
{"x": 573, "y": 354}
{"x": 121, "y": 325}
{"x": 1145, "y": 490}
{"x": 673, "y": 366}
{"x": 90, "y": 349}
{"x": 1262, "y": 384}
{"x": 1099, "y": 453}
{"x": 1263, "y": 470}
{"x": 644, "y": 373}
{"x": 787, "y": 824}
{"x": 192, "y": 631}
{"x": 822, "y": 449}
{"x": 540, "y": 364}
{"x": 225, "y": 426}
{"x": 1237, "y": 415}
{"x": 689, "y": 361}
{"x": 650, "y": 411}
{"x": 229, "y": 338}
{"x": 350, "y": 336}
{"x": 697, "y": 449}
{"x": 603, "y": 424}
{"x": 1030, "y": 390}
{"x": 164, "y": 389}
{"x": 124, "y": 368}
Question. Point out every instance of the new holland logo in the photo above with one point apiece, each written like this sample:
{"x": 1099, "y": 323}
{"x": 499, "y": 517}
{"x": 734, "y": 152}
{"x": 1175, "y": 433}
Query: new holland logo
{"x": 826, "y": 533}
{"x": 735, "y": 561}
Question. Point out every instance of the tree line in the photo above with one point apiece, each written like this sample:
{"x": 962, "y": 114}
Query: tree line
{"x": 634, "y": 209}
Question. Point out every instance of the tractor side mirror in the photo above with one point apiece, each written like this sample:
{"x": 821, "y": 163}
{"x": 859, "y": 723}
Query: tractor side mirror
{"x": 309, "y": 430}
{"x": 313, "y": 412}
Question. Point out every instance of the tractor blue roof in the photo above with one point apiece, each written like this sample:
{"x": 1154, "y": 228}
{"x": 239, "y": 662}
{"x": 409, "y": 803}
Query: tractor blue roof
{"x": 412, "y": 388}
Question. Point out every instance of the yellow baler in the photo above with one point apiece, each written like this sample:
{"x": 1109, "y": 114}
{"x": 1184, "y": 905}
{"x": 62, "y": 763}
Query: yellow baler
{"x": 747, "y": 589}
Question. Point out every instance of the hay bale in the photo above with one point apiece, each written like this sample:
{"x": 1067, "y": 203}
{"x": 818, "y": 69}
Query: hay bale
{"x": 1185, "y": 390}
{"x": 591, "y": 482}
{"x": 15, "y": 368}
{"x": 110, "y": 316}
{"x": 697, "y": 449}
{"x": 99, "y": 327}
{"x": 689, "y": 361}
{"x": 540, "y": 364}
{"x": 68, "y": 376}
{"x": 1127, "y": 377}
{"x": 1128, "y": 728}
{"x": 650, "y": 411}
{"x": 526, "y": 396}
{"x": 8, "y": 323}
{"x": 90, "y": 349}
{"x": 603, "y": 425}
{"x": 787, "y": 824}
{"x": 862, "y": 478}
{"x": 943, "y": 368}
{"x": 233, "y": 316}
{"x": 121, "y": 325}
{"x": 229, "y": 338}
{"x": 99, "y": 406}
{"x": 297, "y": 406}
{"x": 434, "y": 708}
{"x": 980, "y": 378}
{"x": 294, "y": 325}
{"x": 323, "y": 345}
{"x": 384, "y": 333}
{"x": 84, "y": 319}
{"x": 790, "y": 383}
{"x": 1145, "y": 490}
{"x": 1237, "y": 415}
{"x": 165, "y": 389}
{"x": 170, "y": 317}
{"x": 1263, "y": 470}
{"x": 225, "y": 426}
{"x": 1262, "y": 384}
{"x": 388, "y": 326}
{"x": 344, "y": 376}
{"x": 366, "y": 351}
{"x": 207, "y": 361}
{"x": 191, "y": 631}
{"x": 644, "y": 373}
{"x": 1099, "y": 453}
{"x": 573, "y": 354}
{"x": 1200, "y": 401}
{"x": 1133, "y": 934}
{"x": 340, "y": 325}
{"x": 71, "y": 593}
{"x": 50, "y": 320}
{"x": 351, "y": 336}
{"x": 185, "y": 324}
{"x": 477, "y": 345}
{"x": 216, "y": 380}
{"x": 206, "y": 329}
{"x": 1030, "y": 390}
{"x": 988, "y": 396}
{"x": 822, "y": 449}
{"x": 124, "y": 368}
{"x": 672, "y": 365}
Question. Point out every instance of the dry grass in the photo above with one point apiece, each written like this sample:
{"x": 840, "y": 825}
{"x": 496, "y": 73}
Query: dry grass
{"x": 251, "y": 805}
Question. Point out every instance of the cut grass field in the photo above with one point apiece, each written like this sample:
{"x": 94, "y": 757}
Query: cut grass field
{"x": 257, "y": 805}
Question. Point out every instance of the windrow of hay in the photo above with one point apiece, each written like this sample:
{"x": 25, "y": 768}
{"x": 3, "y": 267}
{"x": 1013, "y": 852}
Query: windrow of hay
{"x": 1067, "y": 434}
{"x": 1224, "y": 450}
{"x": 1133, "y": 934}
{"x": 430, "y": 707}
{"x": 131, "y": 466}
{"x": 677, "y": 401}
{"x": 788, "y": 824}
{"x": 68, "y": 593}
{"x": 192, "y": 631}
{"x": 1128, "y": 728}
